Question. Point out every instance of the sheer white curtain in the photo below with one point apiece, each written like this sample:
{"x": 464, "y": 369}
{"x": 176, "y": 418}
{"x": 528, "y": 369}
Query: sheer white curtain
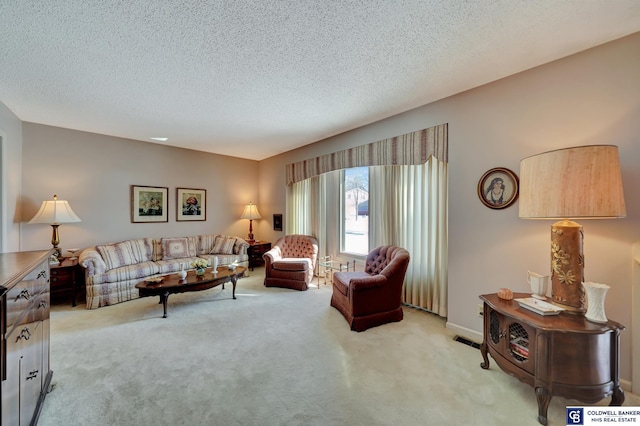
{"x": 305, "y": 210}
{"x": 408, "y": 206}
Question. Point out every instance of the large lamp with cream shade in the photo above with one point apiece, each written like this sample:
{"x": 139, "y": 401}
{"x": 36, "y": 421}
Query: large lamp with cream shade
{"x": 572, "y": 183}
{"x": 55, "y": 212}
{"x": 251, "y": 212}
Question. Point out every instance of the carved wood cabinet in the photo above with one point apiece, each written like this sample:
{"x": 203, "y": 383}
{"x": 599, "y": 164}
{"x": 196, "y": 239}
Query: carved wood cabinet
{"x": 24, "y": 316}
{"x": 563, "y": 355}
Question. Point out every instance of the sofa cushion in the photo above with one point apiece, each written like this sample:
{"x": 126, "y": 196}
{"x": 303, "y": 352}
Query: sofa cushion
{"x": 192, "y": 245}
{"x": 205, "y": 243}
{"x": 174, "y": 248}
{"x": 292, "y": 264}
{"x": 226, "y": 259}
{"x": 117, "y": 254}
{"x": 223, "y": 245}
{"x": 174, "y": 265}
{"x": 142, "y": 249}
{"x": 124, "y": 273}
{"x": 342, "y": 280}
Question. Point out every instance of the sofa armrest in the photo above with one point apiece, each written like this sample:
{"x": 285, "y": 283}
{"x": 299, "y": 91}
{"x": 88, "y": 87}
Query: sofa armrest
{"x": 91, "y": 260}
{"x": 361, "y": 284}
{"x": 241, "y": 246}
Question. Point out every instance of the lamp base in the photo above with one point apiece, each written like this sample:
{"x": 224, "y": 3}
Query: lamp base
{"x": 567, "y": 267}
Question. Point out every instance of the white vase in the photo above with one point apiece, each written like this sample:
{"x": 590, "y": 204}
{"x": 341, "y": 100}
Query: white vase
{"x": 182, "y": 274}
{"x": 596, "y": 294}
{"x": 214, "y": 264}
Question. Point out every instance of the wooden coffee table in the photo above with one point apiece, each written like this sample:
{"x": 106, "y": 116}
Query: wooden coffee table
{"x": 171, "y": 284}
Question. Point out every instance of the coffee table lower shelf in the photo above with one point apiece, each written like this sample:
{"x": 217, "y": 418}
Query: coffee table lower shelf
{"x": 172, "y": 284}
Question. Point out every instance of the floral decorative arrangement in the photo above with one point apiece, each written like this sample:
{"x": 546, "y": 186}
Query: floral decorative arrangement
{"x": 200, "y": 263}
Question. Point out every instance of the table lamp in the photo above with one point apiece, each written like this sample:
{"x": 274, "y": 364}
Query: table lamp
{"x": 55, "y": 212}
{"x": 250, "y": 212}
{"x": 572, "y": 183}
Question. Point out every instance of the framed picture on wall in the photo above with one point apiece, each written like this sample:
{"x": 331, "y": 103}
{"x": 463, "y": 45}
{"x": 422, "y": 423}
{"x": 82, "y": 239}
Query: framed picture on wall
{"x": 191, "y": 204}
{"x": 498, "y": 188}
{"x": 277, "y": 222}
{"x": 149, "y": 204}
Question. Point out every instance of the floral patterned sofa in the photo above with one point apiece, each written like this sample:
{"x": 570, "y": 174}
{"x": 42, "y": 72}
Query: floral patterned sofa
{"x": 113, "y": 270}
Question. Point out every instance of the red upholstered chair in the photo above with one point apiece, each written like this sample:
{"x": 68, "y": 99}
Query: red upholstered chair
{"x": 290, "y": 262}
{"x": 373, "y": 297}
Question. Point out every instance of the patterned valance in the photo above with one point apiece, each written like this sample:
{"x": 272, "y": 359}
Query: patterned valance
{"x": 411, "y": 148}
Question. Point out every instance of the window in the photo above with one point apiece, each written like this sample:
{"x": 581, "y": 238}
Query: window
{"x": 355, "y": 211}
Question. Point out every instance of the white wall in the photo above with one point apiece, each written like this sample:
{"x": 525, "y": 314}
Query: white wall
{"x": 589, "y": 98}
{"x": 10, "y": 180}
{"x": 94, "y": 173}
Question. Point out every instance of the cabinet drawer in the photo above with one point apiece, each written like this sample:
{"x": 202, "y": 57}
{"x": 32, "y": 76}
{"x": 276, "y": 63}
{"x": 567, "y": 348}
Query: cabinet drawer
{"x": 61, "y": 274}
{"x": 261, "y": 249}
{"x": 23, "y": 294}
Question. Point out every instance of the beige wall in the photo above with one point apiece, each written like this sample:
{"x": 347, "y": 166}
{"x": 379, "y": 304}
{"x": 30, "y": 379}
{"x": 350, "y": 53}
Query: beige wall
{"x": 94, "y": 173}
{"x": 589, "y": 98}
{"x": 10, "y": 179}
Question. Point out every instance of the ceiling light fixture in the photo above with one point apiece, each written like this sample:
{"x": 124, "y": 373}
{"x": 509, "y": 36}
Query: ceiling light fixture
{"x": 160, "y": 139}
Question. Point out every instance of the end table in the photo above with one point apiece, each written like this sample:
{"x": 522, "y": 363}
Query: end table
{"x": 66, "y": 278}
{"x": 255, "y": 251}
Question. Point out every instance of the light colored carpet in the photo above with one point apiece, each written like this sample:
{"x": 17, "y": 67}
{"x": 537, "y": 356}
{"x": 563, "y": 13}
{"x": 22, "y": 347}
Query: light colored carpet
{"x": 271, "y": 357}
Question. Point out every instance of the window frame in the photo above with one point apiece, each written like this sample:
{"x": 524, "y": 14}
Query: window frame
{"x": 342, "y": 216}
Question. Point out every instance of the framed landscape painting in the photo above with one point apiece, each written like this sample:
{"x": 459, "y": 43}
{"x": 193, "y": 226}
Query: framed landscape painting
{"x": 191, "y": 204}
{"x": 149, "y": 204}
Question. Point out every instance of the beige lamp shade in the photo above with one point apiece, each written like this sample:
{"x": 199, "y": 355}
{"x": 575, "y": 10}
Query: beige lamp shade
{"x": 55, "y": 212}
{"x": 573, "y": 183}
{"x": 250, "y": 212}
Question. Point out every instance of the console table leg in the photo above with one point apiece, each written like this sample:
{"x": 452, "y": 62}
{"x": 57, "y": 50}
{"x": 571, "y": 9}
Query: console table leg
{"x": 484, "y": 349}
{"x": 544, "y": 397}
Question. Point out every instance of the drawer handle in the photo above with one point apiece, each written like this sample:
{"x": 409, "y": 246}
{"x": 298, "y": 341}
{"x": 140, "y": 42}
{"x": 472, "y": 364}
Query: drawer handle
{"x": 24, "y": 334}
{"x": 42, "y": 274}
{"x": 42, "y": 304}
{"x": 24, "y": 294}
{"x": 32, "y": 374}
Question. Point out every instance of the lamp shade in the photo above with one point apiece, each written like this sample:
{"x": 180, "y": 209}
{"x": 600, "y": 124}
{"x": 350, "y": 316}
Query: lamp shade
{"x": 572, "y": 183}
{"x": 55, "y": 212}
{"x": 251, "y": 212}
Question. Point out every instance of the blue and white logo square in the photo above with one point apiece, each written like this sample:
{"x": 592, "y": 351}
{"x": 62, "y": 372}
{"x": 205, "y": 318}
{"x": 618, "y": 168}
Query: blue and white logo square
{"x": 575, "y": 416}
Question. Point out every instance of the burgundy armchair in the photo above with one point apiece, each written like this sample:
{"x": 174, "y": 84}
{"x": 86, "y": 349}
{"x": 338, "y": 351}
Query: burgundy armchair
{"x": 290, "y": 262}
{"x": 373, "y": 297}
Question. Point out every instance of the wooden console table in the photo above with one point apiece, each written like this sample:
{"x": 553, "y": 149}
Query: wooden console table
{"x": 563, "y": 355}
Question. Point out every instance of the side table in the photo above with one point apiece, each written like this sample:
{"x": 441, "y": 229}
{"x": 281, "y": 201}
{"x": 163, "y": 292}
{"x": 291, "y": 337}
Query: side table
{"x": 255, "y": 251}
{"x": 330, "y": 265}
{"x": 66, "y": 279}
{"x": 564, "y": 355}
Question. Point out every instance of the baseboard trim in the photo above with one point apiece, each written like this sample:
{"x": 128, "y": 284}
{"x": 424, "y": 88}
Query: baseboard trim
{"x": 476, "y": 336}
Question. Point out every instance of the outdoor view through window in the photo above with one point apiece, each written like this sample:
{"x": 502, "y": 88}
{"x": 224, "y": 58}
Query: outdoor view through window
{"x": 355, "y": 217}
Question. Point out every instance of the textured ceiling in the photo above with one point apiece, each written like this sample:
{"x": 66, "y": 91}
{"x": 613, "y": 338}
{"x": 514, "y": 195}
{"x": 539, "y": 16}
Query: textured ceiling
{"x": 255, "y": 78}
